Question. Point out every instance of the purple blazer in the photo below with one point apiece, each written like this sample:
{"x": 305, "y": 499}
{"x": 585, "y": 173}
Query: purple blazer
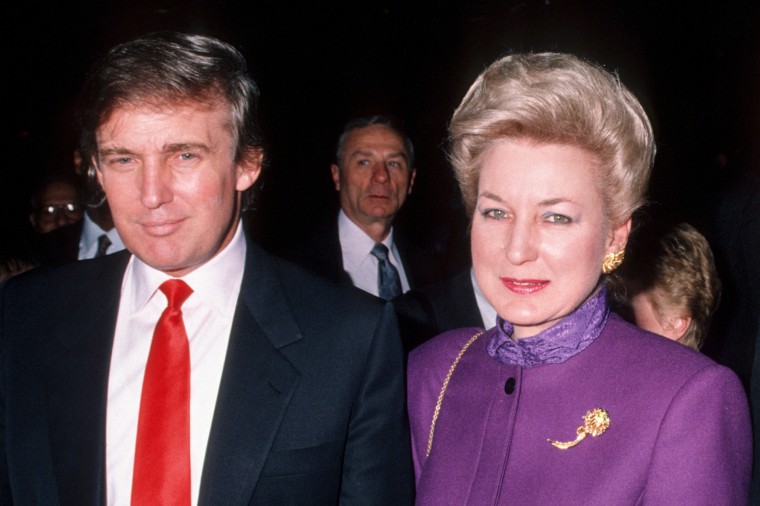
{"x": 679, "y": 429}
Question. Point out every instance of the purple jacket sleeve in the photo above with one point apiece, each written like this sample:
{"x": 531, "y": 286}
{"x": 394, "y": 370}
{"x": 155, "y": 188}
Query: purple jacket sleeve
{"x": 703, "y": 452}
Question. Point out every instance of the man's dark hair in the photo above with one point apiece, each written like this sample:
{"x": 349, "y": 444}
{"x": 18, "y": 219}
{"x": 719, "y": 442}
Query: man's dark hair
{"x": 366, "y": 121}
{"x": 169, "y": 68}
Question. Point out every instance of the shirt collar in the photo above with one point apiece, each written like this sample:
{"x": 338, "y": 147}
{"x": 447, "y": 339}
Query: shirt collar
{"x": 212, "y": 282}
{"x": 555, "y": 345}
{"x": 90, "y": 231}
{"x": 355, "y": 243}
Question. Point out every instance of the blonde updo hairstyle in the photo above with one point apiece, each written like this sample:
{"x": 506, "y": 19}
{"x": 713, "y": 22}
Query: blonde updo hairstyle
{"x": 556, "y": 98}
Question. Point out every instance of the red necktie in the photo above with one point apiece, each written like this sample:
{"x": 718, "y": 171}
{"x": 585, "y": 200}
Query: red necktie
{"x": 162, "y": 453}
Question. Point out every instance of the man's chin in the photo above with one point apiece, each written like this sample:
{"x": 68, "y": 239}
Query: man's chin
{"x": 167, "y": 261}
{"x": 381, "y": 211}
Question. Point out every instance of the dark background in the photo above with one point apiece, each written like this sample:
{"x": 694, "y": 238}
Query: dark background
{"x": 696, "y": 69}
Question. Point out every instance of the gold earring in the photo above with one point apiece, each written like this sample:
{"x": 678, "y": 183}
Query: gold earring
{"x": 612, "y": 261}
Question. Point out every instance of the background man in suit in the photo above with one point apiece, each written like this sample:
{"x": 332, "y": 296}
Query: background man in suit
{"x": 261, "y": 385}
{"x": 56, "y": 218}
{"x": 98, "y": 235}
{"x": 373, "y": 174}
{"x": 56, "y": 203}
{"x": 453, "y": 303}
{"x": 76, "y": 224}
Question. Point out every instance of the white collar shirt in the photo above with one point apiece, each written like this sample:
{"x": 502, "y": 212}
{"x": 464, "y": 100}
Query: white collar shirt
{"x": 88, "y": 240}
{"x": 207, "y": 315}
{"x": 358, "y": 261}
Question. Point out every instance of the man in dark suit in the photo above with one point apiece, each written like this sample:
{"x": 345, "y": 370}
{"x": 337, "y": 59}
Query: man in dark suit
{"x": 73, "y": 221}
{"x": 262, "y": 384}
{"x": 374, "y": 174}
{"x": 92, "y": 236}
{"x": 56, "y": 203}
{"x": 97, "y": 235}
{"x": 56, "y": 218}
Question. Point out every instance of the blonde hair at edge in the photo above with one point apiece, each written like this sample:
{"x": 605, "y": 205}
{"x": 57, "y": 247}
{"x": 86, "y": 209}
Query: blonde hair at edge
{"x": 556, "y": 98}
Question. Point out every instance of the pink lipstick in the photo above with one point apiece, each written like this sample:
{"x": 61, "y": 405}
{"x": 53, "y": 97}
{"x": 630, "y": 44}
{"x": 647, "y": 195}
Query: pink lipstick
{"x": 524, "y": 286}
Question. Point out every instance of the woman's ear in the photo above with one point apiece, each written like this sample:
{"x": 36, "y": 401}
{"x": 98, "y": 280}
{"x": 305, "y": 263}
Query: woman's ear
{"x": 619, "y": 237}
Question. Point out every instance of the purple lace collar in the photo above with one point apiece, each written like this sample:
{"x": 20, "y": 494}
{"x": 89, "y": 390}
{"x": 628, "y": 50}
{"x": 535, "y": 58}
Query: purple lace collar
{"x": 555, "y": 345}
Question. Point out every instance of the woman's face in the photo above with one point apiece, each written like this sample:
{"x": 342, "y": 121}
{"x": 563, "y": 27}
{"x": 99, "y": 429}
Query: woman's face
{"x": 539, "y": 233}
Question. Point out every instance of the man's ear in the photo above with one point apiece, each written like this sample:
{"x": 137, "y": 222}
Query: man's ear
{"x": 96, "y": 170}
{"x": 335, "y": 171}
{"x": 249, "y": 168}
{"x": 412, "y": 175}
{"x": 677, "y": 327}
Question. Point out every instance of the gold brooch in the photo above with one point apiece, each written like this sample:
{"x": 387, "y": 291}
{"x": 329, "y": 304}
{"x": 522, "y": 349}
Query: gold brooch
{"x": 595, "y": 422}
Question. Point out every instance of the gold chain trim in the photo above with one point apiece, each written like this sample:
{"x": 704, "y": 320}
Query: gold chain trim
{"x": 443, "y": 390}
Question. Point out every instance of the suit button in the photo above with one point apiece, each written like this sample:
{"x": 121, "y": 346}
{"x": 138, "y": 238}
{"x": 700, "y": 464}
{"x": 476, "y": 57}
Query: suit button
{"x": 509, "y": 386}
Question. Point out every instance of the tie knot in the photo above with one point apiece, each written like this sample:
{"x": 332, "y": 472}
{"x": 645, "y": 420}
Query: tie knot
{"x": 177, "y": 291}
{"x": 380, "y": 251}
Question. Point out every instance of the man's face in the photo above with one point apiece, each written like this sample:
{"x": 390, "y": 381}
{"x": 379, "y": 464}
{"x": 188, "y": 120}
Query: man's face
{"x": 374, "y": 176}
{"x": 58, "y": 205}
{"x": 171, "y": 181}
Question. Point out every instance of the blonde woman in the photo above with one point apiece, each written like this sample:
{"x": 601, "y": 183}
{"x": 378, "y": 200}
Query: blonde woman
{"x": 563, "y": 402}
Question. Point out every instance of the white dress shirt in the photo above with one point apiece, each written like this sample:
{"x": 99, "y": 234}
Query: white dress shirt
{"x": 487, "y": 311}
{"x": 359, "y": 262}
{"x": 88, "y": 240}
{"x": 207, "y": 315}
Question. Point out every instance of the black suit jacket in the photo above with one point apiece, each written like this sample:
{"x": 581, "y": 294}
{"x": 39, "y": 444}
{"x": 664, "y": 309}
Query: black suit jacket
{"x": 59, "y": 246}
{"x": 310, "y": 407}
{"x": 426, "y": 312}
{"x": 320, "y": 252}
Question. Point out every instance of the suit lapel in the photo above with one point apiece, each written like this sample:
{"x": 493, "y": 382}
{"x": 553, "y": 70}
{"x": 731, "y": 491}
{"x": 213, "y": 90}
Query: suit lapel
{"x": 332, "y": 254}
{"x": 256, "y": 387}
{"x": 420, "y": 266}
{"x": 458, "y": 306}
{"x": 77, "y": 380}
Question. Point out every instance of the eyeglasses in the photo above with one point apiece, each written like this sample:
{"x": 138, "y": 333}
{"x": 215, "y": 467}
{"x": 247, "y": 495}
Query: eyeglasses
{"x": 69, "y": 209}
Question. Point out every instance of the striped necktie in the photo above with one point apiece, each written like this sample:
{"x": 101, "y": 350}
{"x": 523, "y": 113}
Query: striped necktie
{"x": 388, "y": 280}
